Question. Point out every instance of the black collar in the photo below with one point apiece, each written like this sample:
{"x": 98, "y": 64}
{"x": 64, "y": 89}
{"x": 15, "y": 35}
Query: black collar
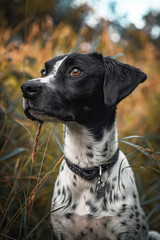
{"x": 93, "y": 172}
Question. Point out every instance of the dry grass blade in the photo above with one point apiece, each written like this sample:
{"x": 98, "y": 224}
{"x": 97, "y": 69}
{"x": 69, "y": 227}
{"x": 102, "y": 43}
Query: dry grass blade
{"x": 33, "y": 193}
{"x": 35, "y": 142}
{"x": 149, "y": 152}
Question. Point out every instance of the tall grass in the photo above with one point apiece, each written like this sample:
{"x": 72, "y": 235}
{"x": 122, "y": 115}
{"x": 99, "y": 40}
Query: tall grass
{"x": 24, "y": 219}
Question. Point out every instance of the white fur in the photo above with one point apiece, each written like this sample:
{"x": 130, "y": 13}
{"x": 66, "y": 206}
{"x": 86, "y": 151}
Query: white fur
{"x": 77, "y": 138}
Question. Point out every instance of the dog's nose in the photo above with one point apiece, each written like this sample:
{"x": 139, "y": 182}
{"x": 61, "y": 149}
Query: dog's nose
{"x": 31, "y": 88}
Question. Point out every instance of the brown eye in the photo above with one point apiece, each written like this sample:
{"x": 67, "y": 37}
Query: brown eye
{"x": 76, "y": 72}
{"x": 43, "y": 73}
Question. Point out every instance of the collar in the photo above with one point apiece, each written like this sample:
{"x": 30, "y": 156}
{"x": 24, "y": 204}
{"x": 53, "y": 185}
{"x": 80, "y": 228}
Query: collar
{"x": 93, "y": 172}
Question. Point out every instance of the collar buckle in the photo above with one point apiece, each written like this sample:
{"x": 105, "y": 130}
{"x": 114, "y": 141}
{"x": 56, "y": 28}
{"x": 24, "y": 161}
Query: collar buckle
{"x": 100, "y": 187}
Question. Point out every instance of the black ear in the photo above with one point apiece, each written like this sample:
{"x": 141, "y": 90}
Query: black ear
{"x": 120, "y": 80}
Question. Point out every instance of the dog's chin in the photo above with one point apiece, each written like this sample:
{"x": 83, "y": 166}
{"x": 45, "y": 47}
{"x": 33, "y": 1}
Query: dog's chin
{"x": 36, "y": 115}
{"x": 40, "y": 116}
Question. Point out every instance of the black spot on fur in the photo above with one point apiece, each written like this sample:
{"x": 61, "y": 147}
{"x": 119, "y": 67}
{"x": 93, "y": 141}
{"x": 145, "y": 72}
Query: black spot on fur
{"x": 135, "y": 232}
{"x": 144, "y": 227}
{"x": 110, "y": 197}
{"x": 62, "y": 168}
{"x": 105, "y": 201}
{"x": 69, "y": 200}
{"x": 74, "y": 184}
{"x": 132, "y": 180}
{"x": 105, "y": 225}
{"x": 89, "y": 147}
{"x": 64, "y": 194}
{"x": 82, "y": 234}
{"x": 63, "y": 191}
{"x": 138, "y": 226}
{"x": 91, "y": 189}
{"x": 74, "y": 207}
{"x": 134, "y": 195}
{"x": 124, "y": 223}
{"x": 90, "y": 154}
{"x": 103, "y": 154}
{"x": 68, "y": 215}
{"x": 108, "y": 187}
{"x": 135, "y": 206}
{"x": 131, "y": 215}
{"x": 92, "y": 208}
{"x": 116, "y": 198}
{"x": 119, "y": 215}
{"x": 123, "y": 209}
{"x": 105, "y": 147}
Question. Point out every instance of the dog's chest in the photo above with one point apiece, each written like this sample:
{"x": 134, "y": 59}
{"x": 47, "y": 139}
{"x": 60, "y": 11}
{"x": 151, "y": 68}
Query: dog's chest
{"x": 74, "y": 227}
{"x": 78, "y": 212}
{"x": 83, "y": 216}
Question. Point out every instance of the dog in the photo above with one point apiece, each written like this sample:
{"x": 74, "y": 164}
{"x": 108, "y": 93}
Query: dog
{"x": 95, "y": 195}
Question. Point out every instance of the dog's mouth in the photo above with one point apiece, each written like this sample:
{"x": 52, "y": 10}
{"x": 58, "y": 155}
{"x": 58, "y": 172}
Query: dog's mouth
{"x": 56, "y": 115}
{"x": 33, "y": 114}
{"x": 39, "y": 115}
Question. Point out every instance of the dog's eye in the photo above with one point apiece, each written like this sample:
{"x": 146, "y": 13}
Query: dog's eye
{"x": 43, "y": 73}
{"x": 76, "y": 72}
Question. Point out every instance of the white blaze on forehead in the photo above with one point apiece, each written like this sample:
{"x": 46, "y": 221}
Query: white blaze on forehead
{"x": 53, "y": 72}
{"x": 51, "y": 75}
{"x": 56, "y": 66}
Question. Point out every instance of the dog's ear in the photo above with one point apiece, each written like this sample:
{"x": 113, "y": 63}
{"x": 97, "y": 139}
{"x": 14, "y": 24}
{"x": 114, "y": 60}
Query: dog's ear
{"x": 120, "y": 80}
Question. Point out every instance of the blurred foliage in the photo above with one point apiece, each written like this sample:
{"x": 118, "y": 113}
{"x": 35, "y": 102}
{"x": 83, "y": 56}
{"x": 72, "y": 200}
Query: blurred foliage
{"x": 31, "y": 34}
{"x": 28, "y": 10}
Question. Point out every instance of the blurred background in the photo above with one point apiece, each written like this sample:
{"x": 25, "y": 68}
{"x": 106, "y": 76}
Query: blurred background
{"x": 32, "y": 32}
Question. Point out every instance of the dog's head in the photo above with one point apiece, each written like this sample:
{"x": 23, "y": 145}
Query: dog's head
{"x": 79, "y": 87}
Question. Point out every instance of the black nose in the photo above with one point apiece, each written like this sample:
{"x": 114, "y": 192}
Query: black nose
{"x": 31, "y": 88}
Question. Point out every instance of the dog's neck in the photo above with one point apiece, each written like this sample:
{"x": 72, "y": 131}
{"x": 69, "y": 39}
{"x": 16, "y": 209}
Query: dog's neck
{"x": 82, "y": 149}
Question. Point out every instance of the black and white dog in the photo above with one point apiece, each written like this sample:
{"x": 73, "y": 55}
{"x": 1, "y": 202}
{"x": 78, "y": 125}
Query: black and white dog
{"x": 95, "y": 191}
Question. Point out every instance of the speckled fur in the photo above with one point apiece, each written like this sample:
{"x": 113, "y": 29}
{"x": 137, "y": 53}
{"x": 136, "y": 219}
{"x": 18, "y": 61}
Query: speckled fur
{"x": 118, "y": 214}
